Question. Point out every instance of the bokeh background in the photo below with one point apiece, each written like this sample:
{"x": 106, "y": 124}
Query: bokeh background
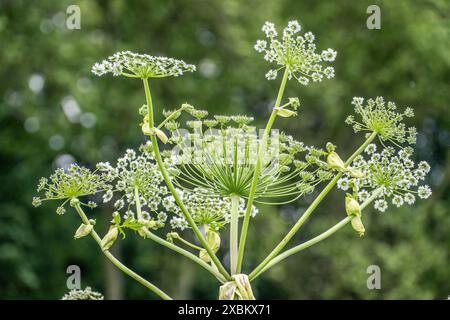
{"x": 53, "y": 111}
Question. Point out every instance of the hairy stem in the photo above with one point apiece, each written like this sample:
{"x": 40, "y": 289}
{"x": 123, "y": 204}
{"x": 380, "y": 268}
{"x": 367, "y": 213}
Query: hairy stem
{"x": 254, "y": 184}
{"x": 172, "y": 189}
{"x": 312, "y": 207}
{"x": 119, "y": 264}
{"x": 234, "y": 226}
{"x": 171, "y": 246}
{"x": 254, "y": 274}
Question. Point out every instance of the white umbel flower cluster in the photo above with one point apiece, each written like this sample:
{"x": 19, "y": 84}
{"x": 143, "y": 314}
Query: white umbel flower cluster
{"x": 296, "y": 52}
{"x": 206, "y": 208}
{"x": 377, "y": 115}
{"x": 394, "y": 172}
{"x": 136, "y": 174}
{"x": 143, "y": 66}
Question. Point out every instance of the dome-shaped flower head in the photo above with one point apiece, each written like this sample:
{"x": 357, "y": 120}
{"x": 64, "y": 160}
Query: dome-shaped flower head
{"x": 382, "y": 118}
{"x": 206, "y": 208}
{"x": 394, "y": 173}
{"x": 135, "y": 65}
{"x": 137, "y": 175}
{"x": 295, "y": 51}
{"x": 72, "y": 183}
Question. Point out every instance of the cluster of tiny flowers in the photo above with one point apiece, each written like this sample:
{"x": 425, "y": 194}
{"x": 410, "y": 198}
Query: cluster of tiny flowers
{"x": 206, "y": 208}
{"x": 394, "y": 173}
{"x": 295, "y": 52}
{"x": 136, "y": 176}
{"x": 381, "y": 117}
{"x": 74, "y": 182}
{"x": 144, "y": 66}
{"x": 86, "y": 294}
{"x": 220, "y": 155}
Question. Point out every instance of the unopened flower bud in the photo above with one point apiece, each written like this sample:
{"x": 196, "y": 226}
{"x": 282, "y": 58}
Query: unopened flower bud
{"x": 172, "y": 236}
{"x": 154, "y": 131}
{"x": 83, "y": 230}
{"x": 213, "y": 239}
{"x": 355, "y": 173}
{"x": 358, "y": 226}
{"x": 74, "y": 202}
{"x": 352, "y": 207}
{"x": 109, "y": 238}
{"x": 330, "y": 147}
{"x": 143, "y": 110}
{"x": 335, "y": 162}
{"x": 285, "y": 113}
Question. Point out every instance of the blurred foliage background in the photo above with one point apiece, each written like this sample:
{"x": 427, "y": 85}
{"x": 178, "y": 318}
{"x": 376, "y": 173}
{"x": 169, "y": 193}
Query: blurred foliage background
{"x": 53, "y": 111}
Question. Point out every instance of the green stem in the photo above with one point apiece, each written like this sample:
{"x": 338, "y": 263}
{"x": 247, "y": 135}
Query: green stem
{"x": 311, "y": 207}
{"x": 254, "y": 274}
{"x": 234, "y": 231}
{"x": 172, "y": 189}
{"x": 254, "y": 184}
{"x": 169, "y": 245}
{"x": 119, "y": 264}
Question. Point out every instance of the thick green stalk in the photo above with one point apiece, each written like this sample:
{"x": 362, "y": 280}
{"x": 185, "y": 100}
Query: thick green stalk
{"x": 234, "y": 226}
{"x": 172, "y": 189}
{"x": 254, "y": 184}
{"x": 171, "y": 246}
{"x": 119, "y": 264}
{"x": 254, "y": 274}
{"x": 312, "y": 207}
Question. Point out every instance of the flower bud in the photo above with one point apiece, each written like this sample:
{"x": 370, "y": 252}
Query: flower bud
{"x": 213, "y": 239}
{"x": 172, "y": 236}
{"x": 83, "y": 230}
{"x": 74, "y": 202}
{"x": 204, "y": 255}
{"x": 358, "y": 226}
{"x": 352, "y": 207}
{"x": 143, "y": 110}
{"x": 285, "y": 113}
{"x": 109, "y": 238}
{"x": 335, "y": 162}
{"x": 154, "y": 131}
{"x": 355, "y": 173}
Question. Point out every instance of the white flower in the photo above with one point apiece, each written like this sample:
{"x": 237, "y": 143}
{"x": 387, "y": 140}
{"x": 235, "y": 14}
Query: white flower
{"x": 293, "y": 26}
{"x": 343, "y": 184}
{"x": 269, "y": 29}
{"x": 380, "y": 205}
{"x": 329, "y": 55}
{"x": 107, "y": 196}
{"x": 409, "y": 198}
{"x": 309, "y": 36}
{"x": 179, "y": 223}
{"x": 424, "y": 166}
{"x": 271, "y": 75}
{"x": 260, "y": 45}
{"x": 295, "y": 52}
{"x": 397, "y": 200}
{"x": 119, "y": 204}
{"x": 424, "y": 192}
{"x": 371, "y": 148}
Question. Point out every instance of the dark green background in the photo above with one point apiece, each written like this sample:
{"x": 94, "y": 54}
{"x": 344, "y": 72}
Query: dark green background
{"x": 407, "y": 61}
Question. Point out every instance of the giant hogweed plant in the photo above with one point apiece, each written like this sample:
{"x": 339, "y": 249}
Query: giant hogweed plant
{"x": 199, "y": 177}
